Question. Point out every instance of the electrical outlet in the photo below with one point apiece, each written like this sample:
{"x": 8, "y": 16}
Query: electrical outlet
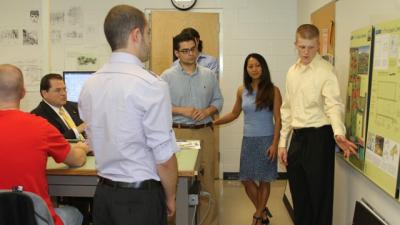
{"x": 193, "y": 199}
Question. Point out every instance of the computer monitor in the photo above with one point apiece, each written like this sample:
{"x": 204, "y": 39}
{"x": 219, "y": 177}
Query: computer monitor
{"x": 74, "y": 81}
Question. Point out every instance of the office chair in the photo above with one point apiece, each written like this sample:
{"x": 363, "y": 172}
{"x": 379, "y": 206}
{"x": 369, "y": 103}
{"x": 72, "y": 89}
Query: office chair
{"x": 19, "y": 207}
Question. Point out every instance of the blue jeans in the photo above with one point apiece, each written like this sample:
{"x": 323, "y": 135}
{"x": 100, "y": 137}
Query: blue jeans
{"x": 69, "y": 215}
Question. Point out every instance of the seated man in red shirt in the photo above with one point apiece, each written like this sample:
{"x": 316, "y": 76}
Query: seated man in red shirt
{"x": 26, "y": 142}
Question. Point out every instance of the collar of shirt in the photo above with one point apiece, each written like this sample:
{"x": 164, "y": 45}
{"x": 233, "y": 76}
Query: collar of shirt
{"x": 56, "y": 109}
{"x": 195, "y": 72}
{"x": 123, "y": 57}
{"x": 313, "y": 64}
{"x": 201, "y": 56}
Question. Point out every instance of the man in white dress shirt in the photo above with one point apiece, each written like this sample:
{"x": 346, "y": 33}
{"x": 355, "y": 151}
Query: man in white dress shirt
{"x": 312, "y": 109}
{"x": 129, "y": 126}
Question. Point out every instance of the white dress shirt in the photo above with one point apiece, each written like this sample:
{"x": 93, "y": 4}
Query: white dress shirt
{"x": 312, "y": 98}
{"x": 57, "y": 110}
{"x": 127, "y": 111}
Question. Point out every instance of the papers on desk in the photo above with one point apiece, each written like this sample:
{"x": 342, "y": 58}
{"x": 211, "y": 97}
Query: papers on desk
{"x": 188, "y": 144}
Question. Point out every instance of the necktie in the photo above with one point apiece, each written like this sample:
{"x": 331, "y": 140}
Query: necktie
{"x": 69, "y": 121}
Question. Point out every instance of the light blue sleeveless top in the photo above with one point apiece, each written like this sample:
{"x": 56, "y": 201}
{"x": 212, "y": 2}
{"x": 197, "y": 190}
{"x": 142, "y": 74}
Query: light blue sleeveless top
{"x": 256, "y": 123}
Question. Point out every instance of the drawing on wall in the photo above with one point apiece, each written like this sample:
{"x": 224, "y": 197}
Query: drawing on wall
{"x": 75, "y": 16}
{"x": 9, "y": 37}
{"x": 57, "y": 18}
{"x": 30, "y": 37}
{"x": 88, "y": 58}
{"x": 32, "y": 72}
{"x": 358, "y": 92}
{"x": 383, "y": 141}
{"x": 85, "y": 60}
{"x": 34, "y": 15}
{"x": 55, "y": 36}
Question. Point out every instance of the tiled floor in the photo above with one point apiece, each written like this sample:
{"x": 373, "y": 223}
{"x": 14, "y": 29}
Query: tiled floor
{"x": 236, "y": 209}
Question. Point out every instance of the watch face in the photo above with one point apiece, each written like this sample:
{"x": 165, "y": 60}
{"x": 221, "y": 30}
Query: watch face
{"x": 183, "y": 4}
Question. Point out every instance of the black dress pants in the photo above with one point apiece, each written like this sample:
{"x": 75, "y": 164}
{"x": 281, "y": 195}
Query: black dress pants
{"x": 311, "y": 159}
{"x": 126, "y": 206}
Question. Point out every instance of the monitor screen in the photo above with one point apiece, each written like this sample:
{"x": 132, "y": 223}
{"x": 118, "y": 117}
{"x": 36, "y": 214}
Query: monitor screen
{"x": 74, "y": 81}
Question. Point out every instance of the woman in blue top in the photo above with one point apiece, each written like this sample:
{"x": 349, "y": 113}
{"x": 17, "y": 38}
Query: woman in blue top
{"x": 260, "y": 101}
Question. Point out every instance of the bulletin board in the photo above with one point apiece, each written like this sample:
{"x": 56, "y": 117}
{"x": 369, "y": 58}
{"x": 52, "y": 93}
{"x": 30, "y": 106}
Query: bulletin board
{"x": 383, "y": 136}
{"x": 373, "y": 103}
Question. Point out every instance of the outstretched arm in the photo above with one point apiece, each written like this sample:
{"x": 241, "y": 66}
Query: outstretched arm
{"x": 237, "y": 109}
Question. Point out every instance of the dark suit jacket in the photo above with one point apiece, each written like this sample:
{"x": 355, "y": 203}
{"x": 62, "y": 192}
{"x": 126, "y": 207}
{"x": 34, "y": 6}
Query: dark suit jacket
{"x": 45, "y": 111}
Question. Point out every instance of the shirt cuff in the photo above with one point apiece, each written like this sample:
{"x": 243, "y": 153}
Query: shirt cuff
{"x": 282, "y": 143}
{"x": 164, "y": 151}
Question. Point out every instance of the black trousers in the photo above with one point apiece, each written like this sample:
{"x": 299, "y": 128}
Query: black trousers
{"x": 126, "y": 206}
{"x": 311, "y": 164}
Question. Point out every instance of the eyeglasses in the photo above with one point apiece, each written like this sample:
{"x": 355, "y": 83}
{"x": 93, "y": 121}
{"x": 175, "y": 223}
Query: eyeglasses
{"x": 186, "y": 51}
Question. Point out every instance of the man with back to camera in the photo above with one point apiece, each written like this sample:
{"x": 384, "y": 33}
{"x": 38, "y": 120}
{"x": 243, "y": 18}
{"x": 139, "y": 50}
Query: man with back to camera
{"x": 129, "y": 126}
{"x": 196, "y": 97}
{"x": 313, "y": 110}
{"x": 27, "y": 141}
{"x": 57, "y": 110}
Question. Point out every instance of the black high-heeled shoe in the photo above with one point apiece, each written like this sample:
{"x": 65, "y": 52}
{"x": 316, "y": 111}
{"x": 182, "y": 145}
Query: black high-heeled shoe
{"x": 265, "y": 221}
{"x": 257, "y": 218}
{"x": 267, "y": 212}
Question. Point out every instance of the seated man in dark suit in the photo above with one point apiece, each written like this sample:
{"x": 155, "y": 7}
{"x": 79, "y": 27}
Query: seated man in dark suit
{"x": 64, "y": 116}
{"x": 57, "y": 110}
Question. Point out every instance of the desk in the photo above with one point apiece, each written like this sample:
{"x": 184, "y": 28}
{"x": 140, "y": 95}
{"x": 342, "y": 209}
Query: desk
{"x": 82, "y": 181}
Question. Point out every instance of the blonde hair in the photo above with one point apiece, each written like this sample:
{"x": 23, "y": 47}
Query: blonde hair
{"x": 307, "y": 31}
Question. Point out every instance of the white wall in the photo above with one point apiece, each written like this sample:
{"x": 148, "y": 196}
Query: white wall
{"x": 266, "y": 27}
{"x": 307, "y": 7}
{"x": 247, "y": 26}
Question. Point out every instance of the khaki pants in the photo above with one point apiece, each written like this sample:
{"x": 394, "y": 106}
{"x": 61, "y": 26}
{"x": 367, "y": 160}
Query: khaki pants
{"x": 206, "y": 163}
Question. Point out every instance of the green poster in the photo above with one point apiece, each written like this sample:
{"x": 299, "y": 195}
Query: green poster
{"x": 358, "y": 92}
{"x": 383, "y": 138}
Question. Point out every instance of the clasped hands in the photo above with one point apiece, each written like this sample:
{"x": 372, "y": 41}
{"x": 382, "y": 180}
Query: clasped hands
{"x": 195, "y": 114}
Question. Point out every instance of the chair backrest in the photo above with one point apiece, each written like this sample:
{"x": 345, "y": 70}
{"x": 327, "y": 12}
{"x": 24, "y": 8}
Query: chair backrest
{"x": 23, "y": 208}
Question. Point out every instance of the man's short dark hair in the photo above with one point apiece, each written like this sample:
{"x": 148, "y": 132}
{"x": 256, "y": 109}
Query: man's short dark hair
{"x": 195, "y": 33}
{"x": 45, "y": 81}
{"x": 182, "y": 37}
{"x": 119, "y": 23}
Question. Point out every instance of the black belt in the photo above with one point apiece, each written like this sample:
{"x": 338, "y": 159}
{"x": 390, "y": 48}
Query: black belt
{"x": 191, "y": 126}
{"x": 310, "y": 129}
{"x": 140, "y": 185}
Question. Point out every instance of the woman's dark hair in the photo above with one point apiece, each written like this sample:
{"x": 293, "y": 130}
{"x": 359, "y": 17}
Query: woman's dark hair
{"x": 265, "y": 89}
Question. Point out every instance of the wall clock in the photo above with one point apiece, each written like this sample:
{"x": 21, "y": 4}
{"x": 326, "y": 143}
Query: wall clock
{"x": 183, "y": 4}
